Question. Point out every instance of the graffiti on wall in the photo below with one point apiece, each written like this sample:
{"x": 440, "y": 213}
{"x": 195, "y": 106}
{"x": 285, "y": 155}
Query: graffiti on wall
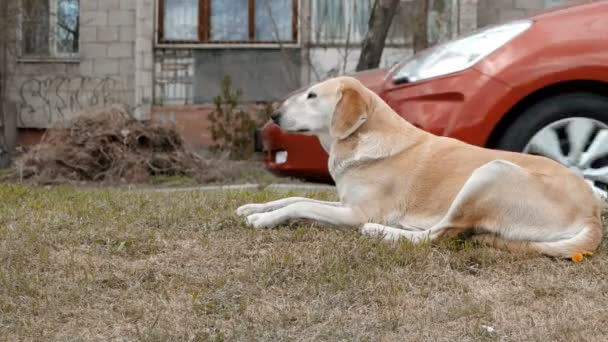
{"x": 53, "y": 99}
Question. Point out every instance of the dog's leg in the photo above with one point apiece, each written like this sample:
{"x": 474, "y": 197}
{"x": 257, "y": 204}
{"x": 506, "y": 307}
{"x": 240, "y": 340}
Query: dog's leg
{"x": 255, "y": 208}
{"x": 322, "y": 213}
{"x": 394, "y": 234}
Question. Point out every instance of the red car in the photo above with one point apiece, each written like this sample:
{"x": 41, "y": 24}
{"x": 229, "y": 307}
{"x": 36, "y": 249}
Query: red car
{"x": 538, "y": 85}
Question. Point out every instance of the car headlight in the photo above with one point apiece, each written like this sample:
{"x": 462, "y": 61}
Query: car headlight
{"x": 460, "y": 54}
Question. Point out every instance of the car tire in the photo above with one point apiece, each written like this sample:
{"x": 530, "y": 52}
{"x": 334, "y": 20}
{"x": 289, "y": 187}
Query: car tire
{"x": 571, "y": 129}
{"x": 580, "y": 104}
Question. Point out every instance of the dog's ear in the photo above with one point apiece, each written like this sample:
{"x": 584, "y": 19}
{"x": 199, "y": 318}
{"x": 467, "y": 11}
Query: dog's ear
{"x": 350, "y": 114}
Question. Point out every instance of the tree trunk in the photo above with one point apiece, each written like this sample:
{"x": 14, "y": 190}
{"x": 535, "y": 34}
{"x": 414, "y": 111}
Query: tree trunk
{"x": 3, "y": 60}
{"x": 421, "y": 19}
{"x": 380, "y": 21}
{"x": 8, "y": 119}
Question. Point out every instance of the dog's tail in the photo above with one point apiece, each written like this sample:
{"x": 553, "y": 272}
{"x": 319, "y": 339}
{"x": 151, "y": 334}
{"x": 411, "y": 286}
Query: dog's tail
{"x": 586, "y": 240}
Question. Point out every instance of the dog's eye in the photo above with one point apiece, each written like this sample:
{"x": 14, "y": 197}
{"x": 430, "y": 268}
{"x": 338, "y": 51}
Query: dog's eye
{"x": 311, "y": 95}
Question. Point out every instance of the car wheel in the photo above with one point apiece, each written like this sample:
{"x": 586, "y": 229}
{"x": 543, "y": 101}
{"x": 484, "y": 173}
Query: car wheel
{"x": 571, "y": 129}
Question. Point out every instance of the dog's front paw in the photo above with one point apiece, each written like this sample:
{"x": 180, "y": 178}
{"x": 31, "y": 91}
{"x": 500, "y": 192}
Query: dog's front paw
{"x": 372, "y": 229}
{"x": 261, "y": 220}
{"x": 378, "y": 230}
{"x": 248, "y": 209}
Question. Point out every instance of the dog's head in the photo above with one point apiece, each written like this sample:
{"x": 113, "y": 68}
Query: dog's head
{"x": 338, "y": 105}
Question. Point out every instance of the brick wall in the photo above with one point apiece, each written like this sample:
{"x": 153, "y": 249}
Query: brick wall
{"x": 191, "y": 121}
{"x": 108, "y": 42}
{"x": 144, "y": 57}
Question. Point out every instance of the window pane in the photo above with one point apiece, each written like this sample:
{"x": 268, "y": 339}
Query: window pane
{"x": 181, "y": 20}
{"x": 229, "y": 20}
{"x": 339, "y": 21}
{"x": 36, "y": 27}
{"x": 68, "y": 28}
{"x": 273, "y": 20}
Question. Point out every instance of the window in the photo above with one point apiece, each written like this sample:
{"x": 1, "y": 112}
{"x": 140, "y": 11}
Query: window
{"x": 228, "y": 22}
{"x": 50, "y": 28}
{"x": 181, "y": 20}
{"x": 339, "y": 22}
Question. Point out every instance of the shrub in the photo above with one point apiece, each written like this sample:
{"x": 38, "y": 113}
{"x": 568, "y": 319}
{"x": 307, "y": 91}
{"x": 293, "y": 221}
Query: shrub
{"x": 232, "y": 125}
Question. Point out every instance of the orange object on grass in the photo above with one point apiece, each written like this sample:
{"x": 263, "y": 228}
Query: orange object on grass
{"x": 577, "y": 257}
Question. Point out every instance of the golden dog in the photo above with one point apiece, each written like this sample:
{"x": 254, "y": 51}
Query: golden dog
{"x": 397, "y": 181}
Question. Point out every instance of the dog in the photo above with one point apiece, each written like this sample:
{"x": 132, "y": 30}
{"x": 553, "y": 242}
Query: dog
{"x": 400, "y": 182}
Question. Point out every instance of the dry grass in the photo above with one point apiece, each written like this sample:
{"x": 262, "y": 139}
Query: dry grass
{"x": 109, "y": 265}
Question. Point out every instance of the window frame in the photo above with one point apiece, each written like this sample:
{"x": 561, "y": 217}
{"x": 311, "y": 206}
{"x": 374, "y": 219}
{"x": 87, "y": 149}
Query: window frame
{"x": 204, "y": 24}
{"x": 53, "y": 54}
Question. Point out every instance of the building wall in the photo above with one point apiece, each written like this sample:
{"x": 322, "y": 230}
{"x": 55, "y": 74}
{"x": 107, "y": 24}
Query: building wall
{"x": 145, "y": 17}
{"x": 49, "y": 90}
{"x": 498, "y": 11}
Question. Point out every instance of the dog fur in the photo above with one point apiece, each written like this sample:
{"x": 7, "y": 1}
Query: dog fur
{"x": 399, "y": 182}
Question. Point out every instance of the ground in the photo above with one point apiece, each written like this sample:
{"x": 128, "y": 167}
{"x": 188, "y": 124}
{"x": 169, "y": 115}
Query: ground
{"x": 98, "y": 264}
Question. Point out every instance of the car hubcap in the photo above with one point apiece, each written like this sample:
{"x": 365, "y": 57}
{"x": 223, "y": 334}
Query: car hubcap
{"x": 581, "y": 144}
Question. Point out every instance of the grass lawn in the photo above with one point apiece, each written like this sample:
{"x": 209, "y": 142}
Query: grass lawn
{"x": 80, "y": 265}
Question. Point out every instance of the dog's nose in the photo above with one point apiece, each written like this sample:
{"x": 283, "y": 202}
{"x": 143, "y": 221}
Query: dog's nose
{"x": 276, "y": 116}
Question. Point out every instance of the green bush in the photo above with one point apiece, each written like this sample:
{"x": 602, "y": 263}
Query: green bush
{"x": 232, "y": 125}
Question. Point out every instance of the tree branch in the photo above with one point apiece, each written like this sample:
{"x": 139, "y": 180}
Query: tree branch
{"x": 380, "y": 21}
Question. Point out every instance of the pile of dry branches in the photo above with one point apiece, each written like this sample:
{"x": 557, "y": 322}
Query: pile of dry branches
{"x": 110, "y": 146}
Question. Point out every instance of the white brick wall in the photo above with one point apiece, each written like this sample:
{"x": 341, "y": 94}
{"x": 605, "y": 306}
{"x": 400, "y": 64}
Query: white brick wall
{"x": 119, "y": 18}
{"x": 93, "y": 17}
{"x": 113, "y": 5}
{"x": 106, "y": 34}
{"x": 106, "y": 67}
{"x": 105, "y": 71}
{"x": 127, "y": 5}
{"x": 127, "y": 34}
{"x": 112, "y": 50}
{"x": 120, "y": 50}
{"x": 144, "y": 66}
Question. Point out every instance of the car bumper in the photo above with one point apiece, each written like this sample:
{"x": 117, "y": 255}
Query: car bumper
{"x": 465, "y": 106}
{"x": 304, "y": 156}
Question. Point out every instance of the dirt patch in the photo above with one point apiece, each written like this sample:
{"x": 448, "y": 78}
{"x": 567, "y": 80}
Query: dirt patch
{"x": 110, "y": 146}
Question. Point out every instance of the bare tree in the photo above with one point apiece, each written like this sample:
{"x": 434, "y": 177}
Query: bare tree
{"x": 420, "y": 19}
{"x": 8, "y": 134}
{"x": 380, "y": 21}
